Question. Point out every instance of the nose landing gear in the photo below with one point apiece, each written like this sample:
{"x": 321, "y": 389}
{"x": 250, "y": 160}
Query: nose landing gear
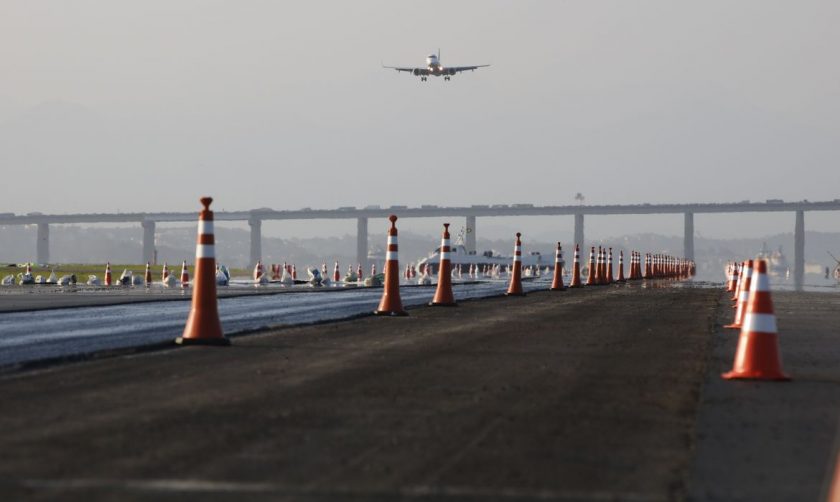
{"x": 446, "y": 78}
{"x": 422, "y": 79}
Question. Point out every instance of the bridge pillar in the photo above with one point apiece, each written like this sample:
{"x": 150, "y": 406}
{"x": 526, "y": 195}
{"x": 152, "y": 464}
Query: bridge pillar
{"x": 799, "y": 251}
{"x": 256, "y": 240}
{"x": 148, "y": 242}
{"x": 42, "y": 244}
{"x": 688, "y": 238}
{"x": 579, "y": 232}
{"x": 362, "y": 243}
{"x": 469, "y": 239}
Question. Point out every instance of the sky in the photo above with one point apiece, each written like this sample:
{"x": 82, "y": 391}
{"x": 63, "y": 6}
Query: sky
{"x": 144, "y": 106}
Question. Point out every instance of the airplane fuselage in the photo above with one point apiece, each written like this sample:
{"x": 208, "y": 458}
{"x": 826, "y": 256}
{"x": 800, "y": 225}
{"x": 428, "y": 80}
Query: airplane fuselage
{"x": 435, "y": 68}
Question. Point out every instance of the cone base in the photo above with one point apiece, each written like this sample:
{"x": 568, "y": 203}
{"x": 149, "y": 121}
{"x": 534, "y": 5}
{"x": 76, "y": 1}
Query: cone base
{"x": 443, "y": 304}
{"x": 390, "y": 312}
{"x": 755, "y": 375}
{"x": 219, "y": 342}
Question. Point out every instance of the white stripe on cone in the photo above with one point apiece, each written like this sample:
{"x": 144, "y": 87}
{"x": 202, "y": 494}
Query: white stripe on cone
{"x": 759, "y": 323}
{"x": 205, "y": 227}
{"x": 205, "y": 251}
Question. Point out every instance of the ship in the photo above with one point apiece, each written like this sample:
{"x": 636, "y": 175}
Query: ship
{"x": 460, "y": 257}
{"x": 777, "y": 264}
{"x": 836, "y": 272}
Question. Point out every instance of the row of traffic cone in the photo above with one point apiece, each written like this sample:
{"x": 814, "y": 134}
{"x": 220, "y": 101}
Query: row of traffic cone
{"x": 758, "y": 356}
{"x": 108, "y": 279}
{"x": 203, "y": 325}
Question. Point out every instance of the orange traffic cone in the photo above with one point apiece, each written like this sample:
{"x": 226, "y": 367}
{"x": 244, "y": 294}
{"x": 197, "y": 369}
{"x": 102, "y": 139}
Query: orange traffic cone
{"x": 575, "y": 281}
{"x": 203, "y": 325}
{"x": 610, "y": 279}
{"x": 108, "y": 279}
{"x": 185, "y": 275}
{"x": 557, "y": 283}
{"x": 733, "y": 277}
{"x": 758, "y": 355}
{"x": 258, "y": 270}
{"x": 590, "y": 275}
{"x": 743, "y": 296}
{"x": 621, "y": 267}
{"x": 147, "y": 277}
{"x": 336, "y": 273}
{"x": 164, "y": 273}
{"x": 443, "y": 294}
{"x": 515, "y": 288}
{"x": 391, "y": 304}
{"x": 739, "y": 282}
{"x": 603, "y": 268}
{"x": 359, "y": 273}
{"x": 599, "y": 269}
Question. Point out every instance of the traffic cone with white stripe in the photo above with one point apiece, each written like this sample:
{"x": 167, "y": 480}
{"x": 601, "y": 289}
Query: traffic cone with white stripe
{"x": 515, "y": 288}
{"x": 185, "y": 275}
{"x": 743, "y": 296}
{"x": 359, "y": 273}
{"x": 732, "y": 279}
{"x": 739, "y": 282}
{"x": 590, "y": 276}
{"x": 336, "y": 273}
{"x": 598, "y": 279}
{"x": 620, "y": 277}
{"x": 258, "y": 270}
{"x": 147, "y": 277}
{"x": 575, "y": 281}
{"x": 557, "y": 282}
{"x": 443, "y": 294}
{"x": 203, "y": 325}
{"x": 758, "y": 356}
{"x": 610, "y": 279}
{"x": 391, "y": 304}
{"x": 108, "y": 278}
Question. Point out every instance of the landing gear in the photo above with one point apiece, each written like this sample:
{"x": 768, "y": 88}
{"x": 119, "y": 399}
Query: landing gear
{"x": 446, "y": 78}
{"x": 422, "y": 79}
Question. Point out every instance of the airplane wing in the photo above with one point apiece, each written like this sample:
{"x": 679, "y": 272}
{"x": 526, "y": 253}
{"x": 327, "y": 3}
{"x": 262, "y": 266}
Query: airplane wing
{"x": 416, "y": 71}
{"x": 459, "y": 69}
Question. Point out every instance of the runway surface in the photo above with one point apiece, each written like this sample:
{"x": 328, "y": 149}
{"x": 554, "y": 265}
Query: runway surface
{"x": 606, "y": 393}
{"x": 58, "y": 333}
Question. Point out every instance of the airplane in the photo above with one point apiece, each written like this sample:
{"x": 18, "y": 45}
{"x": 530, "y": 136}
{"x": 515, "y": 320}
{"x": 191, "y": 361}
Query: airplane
{"x": 434, "y": 67}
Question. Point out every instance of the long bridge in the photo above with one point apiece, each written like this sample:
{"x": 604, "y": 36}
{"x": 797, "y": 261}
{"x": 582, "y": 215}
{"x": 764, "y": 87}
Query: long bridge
{"x": 255, "y": 218}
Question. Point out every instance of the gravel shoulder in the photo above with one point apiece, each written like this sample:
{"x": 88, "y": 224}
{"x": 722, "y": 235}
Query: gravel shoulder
{"x": 772, "y": 440}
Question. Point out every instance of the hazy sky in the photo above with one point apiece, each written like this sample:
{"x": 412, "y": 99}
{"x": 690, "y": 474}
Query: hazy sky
{"x": 144, "y": 106}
